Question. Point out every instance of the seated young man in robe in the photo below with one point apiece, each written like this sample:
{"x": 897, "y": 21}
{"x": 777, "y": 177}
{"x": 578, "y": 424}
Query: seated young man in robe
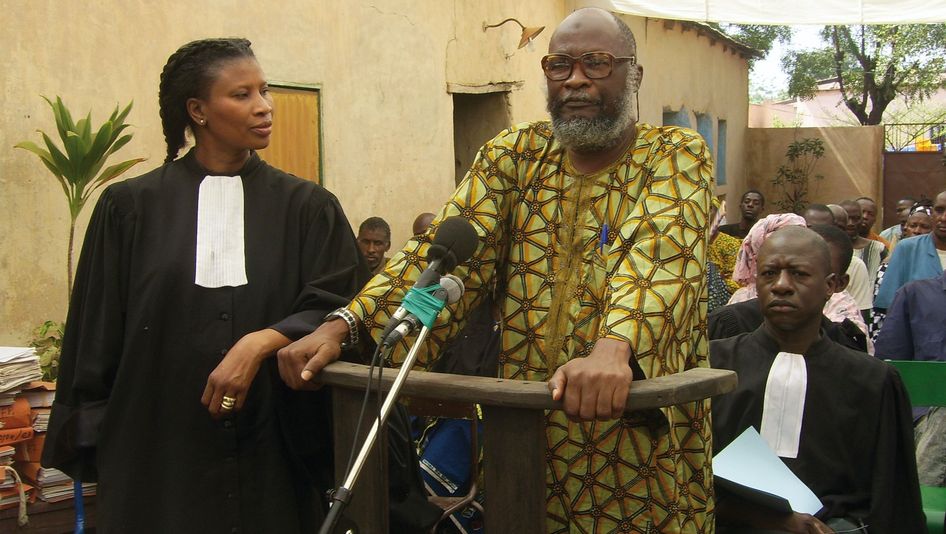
{"x": 838, "y": 418}
{"x": 742, "y": 317}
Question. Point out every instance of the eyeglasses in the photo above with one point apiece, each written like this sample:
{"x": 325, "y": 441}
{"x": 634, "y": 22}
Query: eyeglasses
{"x": 595, "y": 65}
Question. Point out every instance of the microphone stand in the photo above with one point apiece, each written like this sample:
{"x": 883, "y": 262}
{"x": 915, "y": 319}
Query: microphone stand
{"x": 342, "y": 495}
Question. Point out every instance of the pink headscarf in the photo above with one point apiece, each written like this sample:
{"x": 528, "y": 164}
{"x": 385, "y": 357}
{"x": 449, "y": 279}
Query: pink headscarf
{"x": 745, "y": 271}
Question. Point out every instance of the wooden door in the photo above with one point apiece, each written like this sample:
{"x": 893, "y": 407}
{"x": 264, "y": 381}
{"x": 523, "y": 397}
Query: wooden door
{"x": 295, "y": 146}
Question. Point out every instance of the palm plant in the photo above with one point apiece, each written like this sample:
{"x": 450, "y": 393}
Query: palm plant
{"x": 79, "y": 164}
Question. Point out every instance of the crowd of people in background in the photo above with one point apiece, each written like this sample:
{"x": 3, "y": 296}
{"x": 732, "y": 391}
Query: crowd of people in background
{"x": 889, "y": 294}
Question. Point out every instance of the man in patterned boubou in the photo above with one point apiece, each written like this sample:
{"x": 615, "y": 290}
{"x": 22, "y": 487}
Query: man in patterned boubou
{"x": 595, "y": 225}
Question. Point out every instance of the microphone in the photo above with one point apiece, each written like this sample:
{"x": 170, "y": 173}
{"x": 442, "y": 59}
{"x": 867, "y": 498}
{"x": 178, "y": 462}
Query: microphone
{"x": 454, "y": 243}
{"x": 451, "y": 289}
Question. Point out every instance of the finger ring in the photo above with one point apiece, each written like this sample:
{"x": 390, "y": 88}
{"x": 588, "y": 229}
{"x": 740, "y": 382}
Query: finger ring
{"x": 228, "y": 403}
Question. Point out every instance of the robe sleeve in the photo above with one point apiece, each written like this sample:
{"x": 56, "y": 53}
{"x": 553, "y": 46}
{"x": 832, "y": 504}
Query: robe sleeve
{"x": 895, "y": 490}
{"x": 483, "y": 199}
{"x": 895, "y": 340}
{"x": 333, "y": 267}
{"x": 92, "y": 344}
{"x": 657, "y": 287}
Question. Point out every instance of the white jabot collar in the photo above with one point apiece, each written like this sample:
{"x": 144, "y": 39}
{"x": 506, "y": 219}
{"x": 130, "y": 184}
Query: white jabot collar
{"x": 784, "y": 404}
{"x": 221, "y": 259}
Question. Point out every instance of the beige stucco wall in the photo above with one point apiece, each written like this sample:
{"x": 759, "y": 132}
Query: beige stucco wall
{"x": 382, "y": 67}
{"x": 683, "y": 69}
{"x": 852, "y": 165}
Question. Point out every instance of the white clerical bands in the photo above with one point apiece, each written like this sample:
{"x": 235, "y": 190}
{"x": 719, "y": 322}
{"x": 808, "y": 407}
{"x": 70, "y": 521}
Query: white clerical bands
{"x": 346, "y": 315}
{"x": 227, "y": 403}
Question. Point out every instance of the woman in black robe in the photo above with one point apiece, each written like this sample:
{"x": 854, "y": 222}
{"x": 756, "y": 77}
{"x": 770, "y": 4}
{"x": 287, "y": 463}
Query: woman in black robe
{"x": 191, "y": 277}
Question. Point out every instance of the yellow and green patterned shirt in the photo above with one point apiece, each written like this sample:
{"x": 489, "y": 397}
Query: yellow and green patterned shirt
{"x": 561, "y": 288}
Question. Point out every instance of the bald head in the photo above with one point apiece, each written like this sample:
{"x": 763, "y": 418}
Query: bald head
{"x": 596, "y": 18}
{"x": 422, "y": 222}
{"x": 798, "y": 240}
{"x": 840, "y": 216}
{"x": 818, "y": 214}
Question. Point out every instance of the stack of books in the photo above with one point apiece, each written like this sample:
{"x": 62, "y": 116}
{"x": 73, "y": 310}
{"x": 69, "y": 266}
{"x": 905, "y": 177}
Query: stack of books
{"x": 9, "y": 492}
{"x": 40, "y": 396}
{"x": 51, "y": 485}
{"x": 7, "y": 479}
{"x": 16, "y": 422}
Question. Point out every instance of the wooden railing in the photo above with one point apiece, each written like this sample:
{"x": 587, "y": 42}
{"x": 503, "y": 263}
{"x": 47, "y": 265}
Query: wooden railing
{"x": 514, "y": 440}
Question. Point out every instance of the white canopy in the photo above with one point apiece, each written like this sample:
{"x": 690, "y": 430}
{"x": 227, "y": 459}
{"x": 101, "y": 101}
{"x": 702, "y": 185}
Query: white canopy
{"x": 789, "y": 12}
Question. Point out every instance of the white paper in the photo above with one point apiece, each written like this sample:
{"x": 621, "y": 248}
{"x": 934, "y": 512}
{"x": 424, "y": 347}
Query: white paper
{"x": 749, "y": 461}
{"x": 17, "y": 354}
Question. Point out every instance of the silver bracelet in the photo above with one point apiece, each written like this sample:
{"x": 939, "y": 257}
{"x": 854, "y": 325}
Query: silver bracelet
{"x": 349, "y": 318}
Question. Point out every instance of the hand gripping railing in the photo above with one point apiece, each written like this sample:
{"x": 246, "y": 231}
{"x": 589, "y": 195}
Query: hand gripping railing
{"x": 514, "y": 440}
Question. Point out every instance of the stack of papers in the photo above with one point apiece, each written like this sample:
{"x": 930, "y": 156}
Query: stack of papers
{"x": 41, "y": 419}
{"x": 18, "y": 365}
{"x": 61, "y": 492}
{"x": 40, "y": 396}
{"x": 6, "y": 458}
{"x": 42, "y": 476}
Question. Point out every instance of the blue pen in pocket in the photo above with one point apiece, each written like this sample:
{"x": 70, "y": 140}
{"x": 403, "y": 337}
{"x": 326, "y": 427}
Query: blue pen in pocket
{"x": 603, "y": 241}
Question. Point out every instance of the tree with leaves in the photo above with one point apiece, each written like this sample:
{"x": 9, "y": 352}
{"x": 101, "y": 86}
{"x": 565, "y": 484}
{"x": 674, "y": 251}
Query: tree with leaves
{"x": 872, "y": 65}
{"x": 78, "y": 165}
{"x": 795, "y": 181}
{"x": 758, "y": 36}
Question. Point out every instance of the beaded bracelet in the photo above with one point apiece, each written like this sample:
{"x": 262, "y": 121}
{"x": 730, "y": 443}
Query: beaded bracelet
{"x": 349, "y": 318}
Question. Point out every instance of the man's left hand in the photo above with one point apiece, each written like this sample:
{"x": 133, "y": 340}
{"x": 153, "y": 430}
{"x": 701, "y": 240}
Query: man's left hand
{"x": 595, "y": 387}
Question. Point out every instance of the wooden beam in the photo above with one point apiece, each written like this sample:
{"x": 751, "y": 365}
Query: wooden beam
{"x": 479, "y": 89}
{"x": 688, "y": 386}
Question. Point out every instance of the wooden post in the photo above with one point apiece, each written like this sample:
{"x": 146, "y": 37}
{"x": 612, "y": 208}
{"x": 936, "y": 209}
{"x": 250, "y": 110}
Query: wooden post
{"x": 514, "y": 446}
{"x": 368, "y": 508}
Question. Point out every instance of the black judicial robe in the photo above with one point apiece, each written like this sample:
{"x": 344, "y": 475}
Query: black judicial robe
{"x": 742, "y": 317}
{"x": 856, "y": 448}
{"x": 141, "y": 339}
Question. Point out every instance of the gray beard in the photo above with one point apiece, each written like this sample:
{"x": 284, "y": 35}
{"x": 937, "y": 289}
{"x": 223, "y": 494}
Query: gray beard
{"x": 595, "y": 134}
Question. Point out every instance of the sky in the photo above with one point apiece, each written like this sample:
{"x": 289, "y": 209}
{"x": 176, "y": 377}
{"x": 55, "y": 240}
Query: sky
{"x": 768, "y": 72}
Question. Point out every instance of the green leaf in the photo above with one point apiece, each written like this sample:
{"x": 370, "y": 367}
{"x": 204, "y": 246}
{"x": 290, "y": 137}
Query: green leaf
{"x": 122, "y": 141}
{"x": 120, "y": 119}
{"x": 73, "y": 152}
{"x": 116, "y": 170}
{"x": 103, "y": 138}
{"x": 61, "y": 161}
{"x": 67, "y": 117}
{"x": 57, "y": 115}
{"x": 43, "y": 155}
